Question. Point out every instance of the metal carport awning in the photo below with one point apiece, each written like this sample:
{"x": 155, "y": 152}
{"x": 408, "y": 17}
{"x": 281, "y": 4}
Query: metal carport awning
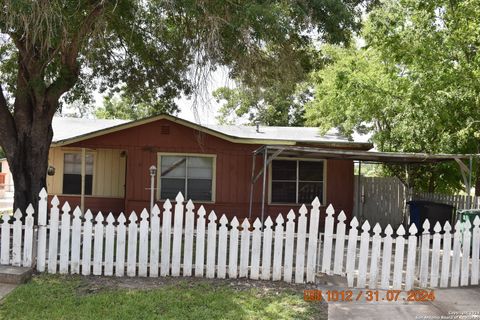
{"x": 270, "y": 152}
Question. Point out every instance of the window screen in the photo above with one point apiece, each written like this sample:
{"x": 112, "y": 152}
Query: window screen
{"x": 72, "y": 173}
{"x": 187, "y": 174}
{"x": 296, "y": 181}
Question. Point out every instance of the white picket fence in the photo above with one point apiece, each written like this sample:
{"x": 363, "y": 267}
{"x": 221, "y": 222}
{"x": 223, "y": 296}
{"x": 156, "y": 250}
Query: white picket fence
{"x": 192, "y": 245}
{"x": 187, "y": 243}
{"x": 402, "y": 262}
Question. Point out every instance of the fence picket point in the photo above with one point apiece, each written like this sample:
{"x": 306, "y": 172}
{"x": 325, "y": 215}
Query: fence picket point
{"x": 177, "y": 235}
{"x": 339, "y": 244}
{"x": 244, "y": 249}
{"x": 109, "y": 245}
{"x": 351, "y": 251}
{"x": 256, "y": 248}
{"x": 28, "y": 240}
{"x": 155, "y": 241}
{"x": 143, "y": 244}
{"x": 17, "y": 239}
{"x": 328, "y": 240}
{"x": 98, "y": 245}
{"x": 386, "y": 258}
{"x": 435, "y": 256}
{"x": 424, "y": 254}
{"x": 211, "y": 244}
{"x": 398, "y": 262}
{"x": 200, "y": 243}
{"x": 411, "y": 257}
{"x": 375, "y": 256}
{"x": 42, "y": 230}
{"x": 465, "y": 253}
{"x": 300, "y": 249}
{"x": 132, "y": 245}
{"x": 267, "y": 249}
{"x": 65, "y": 239}
{"x": 222, "y": 247}
{"x": 475, "y": 250}
{"x": 166, "y": 238}
{"x": 278, "y": 248}
{"x": 456, "y": 255}
{"x": 313, "y": 240}
{"x": 76, "y": 241}
{"x": 363, "y": 255}
{"x": 233, "y": 249}
{"x": 120, "y": 249}
{"x": 447, "y": 242}
{"x": 289, "y": 240}
{"x": 87, "y": 244}
{"x": 188, "y": 245}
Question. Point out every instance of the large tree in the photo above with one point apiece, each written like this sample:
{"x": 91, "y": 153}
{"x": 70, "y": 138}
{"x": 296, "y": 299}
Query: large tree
{"x": 415, "y": 84}
{"x": 151, "y": 51}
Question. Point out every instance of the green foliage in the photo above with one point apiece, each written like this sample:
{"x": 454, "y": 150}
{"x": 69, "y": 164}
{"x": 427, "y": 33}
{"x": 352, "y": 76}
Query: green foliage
{"x": 55, "y": 297}
{"x": 415, "y": 84}
{"x": 125, "y": 108}
{"x": 152, "y": 51}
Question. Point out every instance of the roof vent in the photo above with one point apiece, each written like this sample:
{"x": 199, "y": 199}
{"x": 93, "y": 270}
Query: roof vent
{"x": 164, "y": 129}
{"x": 257, "y": 124}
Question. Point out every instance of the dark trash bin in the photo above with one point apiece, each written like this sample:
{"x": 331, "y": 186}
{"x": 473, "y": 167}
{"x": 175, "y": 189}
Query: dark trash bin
{"x": 433, "y": 211}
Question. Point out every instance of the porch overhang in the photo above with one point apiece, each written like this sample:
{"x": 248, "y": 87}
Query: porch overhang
{"x": 360, "y": 155}
{"x": 270, "y": 152}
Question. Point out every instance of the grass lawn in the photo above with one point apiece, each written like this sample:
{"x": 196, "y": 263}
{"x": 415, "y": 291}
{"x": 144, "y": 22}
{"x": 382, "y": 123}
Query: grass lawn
{"x": 76, "y": 297}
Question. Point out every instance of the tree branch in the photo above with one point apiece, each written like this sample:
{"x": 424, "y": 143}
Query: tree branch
{"x": 69, "y": 67}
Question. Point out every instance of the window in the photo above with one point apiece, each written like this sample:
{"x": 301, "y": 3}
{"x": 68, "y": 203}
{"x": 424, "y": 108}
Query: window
{"x": 296, "y": 181}
{"x": 191, "y": 175}
{"x": 72, "y": 173}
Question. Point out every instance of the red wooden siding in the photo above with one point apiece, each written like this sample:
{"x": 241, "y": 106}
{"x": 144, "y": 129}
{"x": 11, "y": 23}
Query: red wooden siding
{"x": 233, "y": 168}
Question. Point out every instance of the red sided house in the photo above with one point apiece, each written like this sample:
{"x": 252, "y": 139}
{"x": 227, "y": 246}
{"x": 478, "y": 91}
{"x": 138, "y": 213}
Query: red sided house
{"x": 104, "y": 165}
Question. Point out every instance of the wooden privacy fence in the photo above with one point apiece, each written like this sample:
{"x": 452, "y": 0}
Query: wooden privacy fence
{"x": 458, "y": 201}
{"x": 185, "y": 242}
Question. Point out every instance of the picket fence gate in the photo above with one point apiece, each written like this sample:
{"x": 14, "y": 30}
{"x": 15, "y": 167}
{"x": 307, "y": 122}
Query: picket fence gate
{"x": 190, "y": 244}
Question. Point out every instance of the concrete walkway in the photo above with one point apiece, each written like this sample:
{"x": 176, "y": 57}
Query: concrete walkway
{"x": 452, "y": 303}
{"x": 6, "y": 288}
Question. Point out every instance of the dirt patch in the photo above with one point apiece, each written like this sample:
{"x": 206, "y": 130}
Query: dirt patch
{"x": 96, "y": 283}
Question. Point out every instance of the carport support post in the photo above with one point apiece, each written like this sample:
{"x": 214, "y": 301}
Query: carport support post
{"x": 82, "y": 191}
{"x": 252, "y": 182}
{"x": 265, "y": 154}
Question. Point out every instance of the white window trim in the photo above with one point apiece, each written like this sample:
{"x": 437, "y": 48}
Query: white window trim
{"x": 204, "y": 155}
{"x": 79, "y": 151}
{"x": 324, "y": 187}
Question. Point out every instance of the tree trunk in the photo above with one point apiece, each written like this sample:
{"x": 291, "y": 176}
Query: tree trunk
{"x": 29, "y": 160}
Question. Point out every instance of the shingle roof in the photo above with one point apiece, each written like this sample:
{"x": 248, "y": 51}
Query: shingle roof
{"x": 68, "y": 129}
{"x": 65, "y": 128}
